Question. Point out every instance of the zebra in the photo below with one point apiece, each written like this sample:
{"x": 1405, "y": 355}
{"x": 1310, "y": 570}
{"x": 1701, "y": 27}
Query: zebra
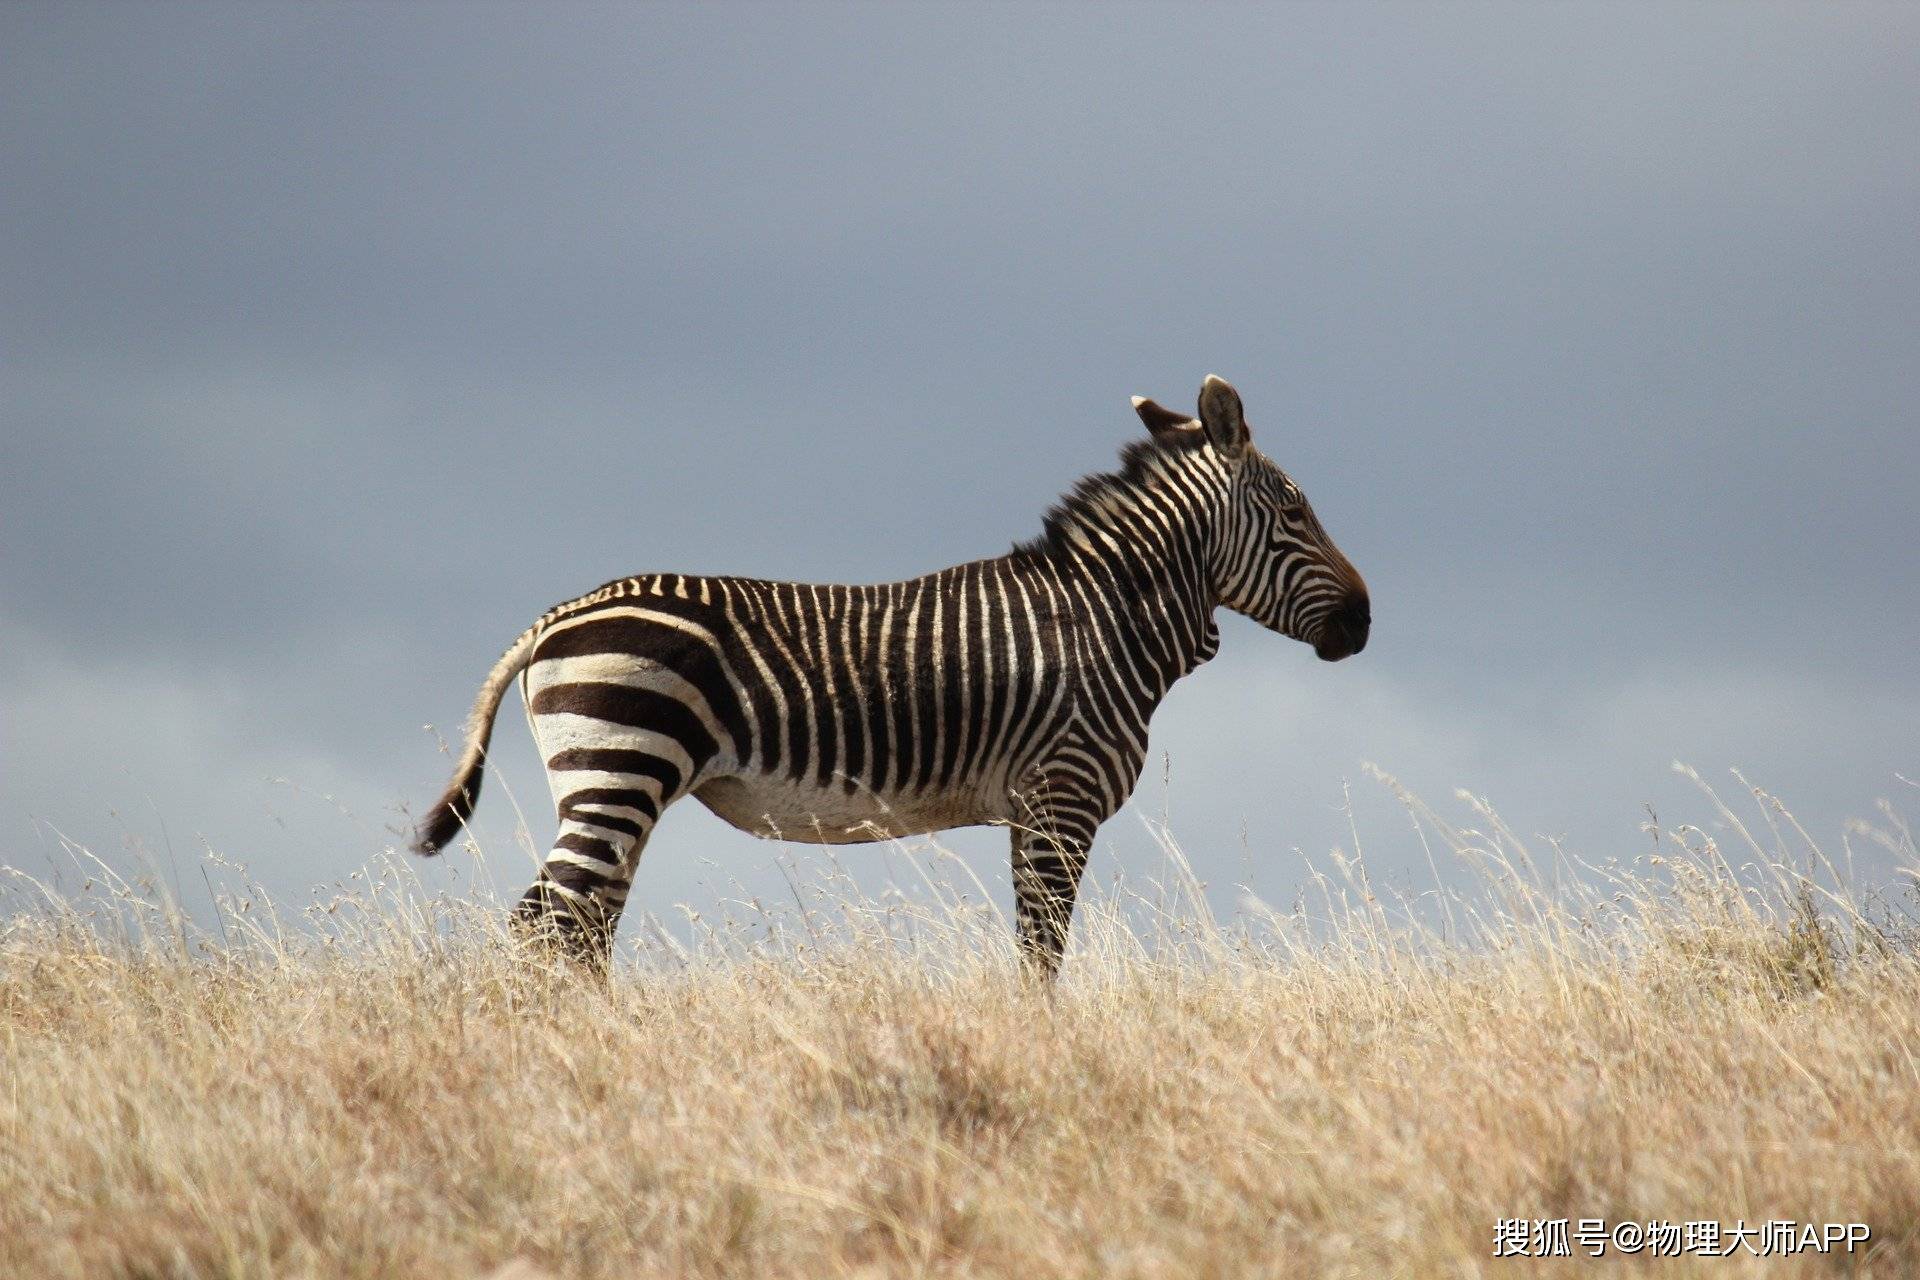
{"x": 1011, "y": 691}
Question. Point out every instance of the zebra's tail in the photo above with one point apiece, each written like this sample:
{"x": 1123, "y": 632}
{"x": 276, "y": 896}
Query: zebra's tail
{"x": 455, "y": 805}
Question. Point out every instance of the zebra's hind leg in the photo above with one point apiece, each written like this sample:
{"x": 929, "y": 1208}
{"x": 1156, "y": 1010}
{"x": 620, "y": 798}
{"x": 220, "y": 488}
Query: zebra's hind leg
{"x": 1049, "y": 856}
{"x": 574, "y": 904}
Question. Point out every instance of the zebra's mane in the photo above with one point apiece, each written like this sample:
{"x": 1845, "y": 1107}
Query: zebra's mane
{"x": 1083, "y": 503}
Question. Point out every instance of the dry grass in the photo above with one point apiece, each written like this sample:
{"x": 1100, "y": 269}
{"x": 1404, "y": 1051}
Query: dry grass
{"x": 1356, "y": 1088}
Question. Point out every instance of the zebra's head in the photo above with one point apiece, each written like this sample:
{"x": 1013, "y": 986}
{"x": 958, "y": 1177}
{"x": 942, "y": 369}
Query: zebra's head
{"x": 1270, "y": 559}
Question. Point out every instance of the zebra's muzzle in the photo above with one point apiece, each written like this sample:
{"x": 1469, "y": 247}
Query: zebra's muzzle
{"x": 1346, "y": 631}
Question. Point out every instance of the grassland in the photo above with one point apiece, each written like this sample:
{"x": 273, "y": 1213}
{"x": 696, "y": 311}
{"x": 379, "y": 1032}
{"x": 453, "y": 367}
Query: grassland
{"x": 1354, "y": 1087}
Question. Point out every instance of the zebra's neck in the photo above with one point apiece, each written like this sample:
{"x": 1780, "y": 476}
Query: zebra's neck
{"x": 1136, "y": 546}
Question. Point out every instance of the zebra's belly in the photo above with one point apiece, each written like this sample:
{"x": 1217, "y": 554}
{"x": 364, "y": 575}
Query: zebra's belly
{"x": 779, "y": 808}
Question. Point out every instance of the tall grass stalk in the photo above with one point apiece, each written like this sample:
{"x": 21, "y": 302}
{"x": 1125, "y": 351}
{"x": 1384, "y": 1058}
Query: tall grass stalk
{"x": 1358, "y": 1083}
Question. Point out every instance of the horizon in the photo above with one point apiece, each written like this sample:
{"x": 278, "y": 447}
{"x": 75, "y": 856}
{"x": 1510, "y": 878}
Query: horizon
{"x": 343, "y": 342}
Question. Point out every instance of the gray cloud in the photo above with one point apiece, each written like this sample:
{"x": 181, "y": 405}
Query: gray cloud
{"x": 343, "y": 341}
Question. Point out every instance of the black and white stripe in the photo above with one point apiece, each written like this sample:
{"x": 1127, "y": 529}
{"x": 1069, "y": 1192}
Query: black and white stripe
{"x": 1012, "y": 691}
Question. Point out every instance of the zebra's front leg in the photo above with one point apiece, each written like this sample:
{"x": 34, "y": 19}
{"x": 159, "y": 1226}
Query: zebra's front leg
{"x": 1049, "y": 855}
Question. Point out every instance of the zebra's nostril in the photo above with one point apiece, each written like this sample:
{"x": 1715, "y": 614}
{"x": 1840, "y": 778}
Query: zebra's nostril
{"x": 1356, "y": 619}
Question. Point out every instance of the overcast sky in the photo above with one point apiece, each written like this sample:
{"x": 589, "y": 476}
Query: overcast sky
{"x": 337, "y": 343}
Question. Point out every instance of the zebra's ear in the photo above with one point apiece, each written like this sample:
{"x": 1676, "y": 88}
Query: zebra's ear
{"x": 1220, "y": 413}
{"x": 1162, "y": 422}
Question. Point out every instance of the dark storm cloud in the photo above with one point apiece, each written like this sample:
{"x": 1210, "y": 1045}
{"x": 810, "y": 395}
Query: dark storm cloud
{"x": 341, "y": 341}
